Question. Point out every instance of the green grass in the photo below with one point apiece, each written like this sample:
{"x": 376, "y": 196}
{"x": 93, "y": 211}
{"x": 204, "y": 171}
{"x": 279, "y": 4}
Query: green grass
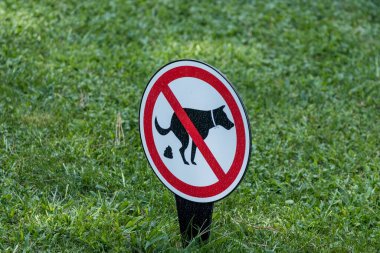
{"x": 308, "y": 73}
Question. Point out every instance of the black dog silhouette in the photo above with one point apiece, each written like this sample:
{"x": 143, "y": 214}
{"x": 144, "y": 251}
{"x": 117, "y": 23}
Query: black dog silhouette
{"x": 202, "y": 120}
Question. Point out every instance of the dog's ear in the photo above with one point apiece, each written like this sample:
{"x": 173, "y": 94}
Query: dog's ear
{"x": 221, "y": 108}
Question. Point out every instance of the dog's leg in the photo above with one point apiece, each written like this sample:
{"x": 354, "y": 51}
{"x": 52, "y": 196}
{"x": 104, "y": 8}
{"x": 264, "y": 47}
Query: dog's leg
{"x": 185, "y": 143}
{"x": 193, "y": 150}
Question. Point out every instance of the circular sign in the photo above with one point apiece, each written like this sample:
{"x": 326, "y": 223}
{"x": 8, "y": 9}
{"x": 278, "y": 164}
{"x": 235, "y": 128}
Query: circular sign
{"x": 195, "y": 131}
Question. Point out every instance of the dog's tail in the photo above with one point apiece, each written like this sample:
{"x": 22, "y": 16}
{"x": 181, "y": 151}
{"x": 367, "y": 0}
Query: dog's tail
{"x": 161, "y": 130}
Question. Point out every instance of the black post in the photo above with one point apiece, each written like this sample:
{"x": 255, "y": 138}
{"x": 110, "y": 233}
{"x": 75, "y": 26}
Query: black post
{"x": 194, "y": 219}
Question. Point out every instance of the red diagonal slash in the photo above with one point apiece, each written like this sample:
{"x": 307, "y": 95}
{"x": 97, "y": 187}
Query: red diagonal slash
{"x": 193, "y": 132}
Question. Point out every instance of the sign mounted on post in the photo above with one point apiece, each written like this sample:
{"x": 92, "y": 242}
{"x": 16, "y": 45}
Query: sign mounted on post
{"x": 195, "y": 131}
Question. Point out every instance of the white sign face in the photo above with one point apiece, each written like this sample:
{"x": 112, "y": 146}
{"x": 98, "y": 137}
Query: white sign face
{"x": 194, "y": 131}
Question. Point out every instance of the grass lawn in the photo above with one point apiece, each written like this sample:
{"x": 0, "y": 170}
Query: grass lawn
{"x": 307, "y": 71}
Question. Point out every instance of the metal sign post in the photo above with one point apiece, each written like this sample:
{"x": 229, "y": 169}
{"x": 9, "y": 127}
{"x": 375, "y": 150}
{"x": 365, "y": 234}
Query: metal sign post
{"x": 194, "y": 219}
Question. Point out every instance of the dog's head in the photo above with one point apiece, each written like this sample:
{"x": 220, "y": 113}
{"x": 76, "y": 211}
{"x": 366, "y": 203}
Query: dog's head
{"x": 221, "y": 118}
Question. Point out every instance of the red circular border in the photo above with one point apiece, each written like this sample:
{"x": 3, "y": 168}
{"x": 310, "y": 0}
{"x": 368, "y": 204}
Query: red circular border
{"x": 199, "y": 73}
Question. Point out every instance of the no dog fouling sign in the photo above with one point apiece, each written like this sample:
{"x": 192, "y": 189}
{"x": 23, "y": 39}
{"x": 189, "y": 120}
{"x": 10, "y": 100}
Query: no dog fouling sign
{"x": 195, "y": 131}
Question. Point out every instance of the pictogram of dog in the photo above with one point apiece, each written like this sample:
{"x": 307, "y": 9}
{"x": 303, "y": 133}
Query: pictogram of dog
{"x": 203, "y": 122}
